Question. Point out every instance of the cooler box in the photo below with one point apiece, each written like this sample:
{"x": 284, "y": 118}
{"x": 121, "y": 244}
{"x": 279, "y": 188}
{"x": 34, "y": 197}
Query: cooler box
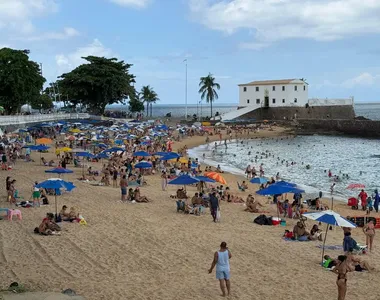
{"x": 276, "y": 221}
{"x": 352, "y": 202}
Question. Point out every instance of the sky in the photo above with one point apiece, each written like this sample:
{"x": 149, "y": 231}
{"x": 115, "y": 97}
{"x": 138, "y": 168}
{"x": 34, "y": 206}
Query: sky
{"x": 334, "y": 44}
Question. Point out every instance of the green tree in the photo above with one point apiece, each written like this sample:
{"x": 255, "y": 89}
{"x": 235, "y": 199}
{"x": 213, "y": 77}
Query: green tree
{"x": 149, "y": 96}
{"x": 135, "y": 104}
{"x": 20, "y": 79}
{"x": 100, "y": 82}
{"x": 207, "y": 89}
{"x": 44, "y": 101}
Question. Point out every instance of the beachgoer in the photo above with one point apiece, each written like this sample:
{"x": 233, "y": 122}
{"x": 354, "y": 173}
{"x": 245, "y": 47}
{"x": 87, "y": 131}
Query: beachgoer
{"x": 48, "y": 226}
{"x": 164, "y": 180}
{"x": 36, "y": 195}
{"x": 376, "y": 201}
{"x": 369, "y": 231}
{"x": 342, "y": 268}
{"x": 123, "y": 187}
{"x": 214, "y": 205}
{"x": 363, "y": 197}
{"x": 222, "y": 263}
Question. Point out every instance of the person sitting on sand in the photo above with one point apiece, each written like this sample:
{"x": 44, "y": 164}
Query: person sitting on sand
{"x": 299, "y": 232}
{"x": 44, "y": 162}
{"x": 219, "y": 169}
{"x": 244, "y": 185}
{"x": 64, "y": 215}
{"x": 236, "y": 199}
{"x": 181, "y": 194}
{"x": 252, "y": 204}
{"x": 48, "y": 226}
{"x": 51, "y": 163}
{"x": 131, "y": 195}
{"x": 73, "y": 214}
{"x": 315, "y": 233}
{"x": 139, "y": 198}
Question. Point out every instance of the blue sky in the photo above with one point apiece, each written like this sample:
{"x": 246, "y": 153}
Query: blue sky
{"x": 334, "y": 44}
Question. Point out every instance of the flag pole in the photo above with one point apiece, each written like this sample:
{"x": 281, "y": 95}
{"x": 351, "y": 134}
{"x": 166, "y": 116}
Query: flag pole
{"x": 185, "y": 88}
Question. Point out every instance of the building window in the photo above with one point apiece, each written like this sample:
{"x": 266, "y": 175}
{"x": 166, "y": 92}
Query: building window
{"x": 295, "y": 100}
{"x": 244, "y": 89}
{"x": 257, "y": 101}
{"x": 283, "y": 100}
{"x": 304, "y": 87}
{"x": 257, "y": 89}
{"x": 273, "y": 101}
{"x": 295, "y": 88}
{"x": 273, "y": 88}
{"x": 247, "y": 101}
{"x": 283, "y": 88}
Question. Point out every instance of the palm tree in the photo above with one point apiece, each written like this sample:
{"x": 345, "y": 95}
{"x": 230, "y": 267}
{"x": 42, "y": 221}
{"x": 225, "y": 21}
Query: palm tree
{"x": 207, "y": 86}
{"x": 149, "y": 96}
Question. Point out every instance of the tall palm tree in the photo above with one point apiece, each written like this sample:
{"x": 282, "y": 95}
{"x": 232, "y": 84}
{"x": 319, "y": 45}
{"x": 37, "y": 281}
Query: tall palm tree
{"x": 149, "y": 96}
{"x": 207, "y": 89}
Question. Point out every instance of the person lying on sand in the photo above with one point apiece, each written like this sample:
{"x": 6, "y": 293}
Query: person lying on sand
{"x": 357, "y": 263}
{"x": 48, "y": 226}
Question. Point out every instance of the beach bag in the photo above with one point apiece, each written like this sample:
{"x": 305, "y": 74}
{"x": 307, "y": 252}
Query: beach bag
{"x": 261, "y": 220}
{"x": 218, "y": 215}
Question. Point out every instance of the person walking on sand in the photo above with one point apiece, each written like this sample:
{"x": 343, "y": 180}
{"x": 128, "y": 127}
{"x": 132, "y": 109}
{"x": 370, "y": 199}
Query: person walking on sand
{"x": 369, "y": 231}
{"x": 222, "y": 263}
{"x": 214, "y": 205}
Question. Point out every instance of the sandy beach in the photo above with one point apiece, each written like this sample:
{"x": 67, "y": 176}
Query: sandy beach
{"x": 149, "y": 251}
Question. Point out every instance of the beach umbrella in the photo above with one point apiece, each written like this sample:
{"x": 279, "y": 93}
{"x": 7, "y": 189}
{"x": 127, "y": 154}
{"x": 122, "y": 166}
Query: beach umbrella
{"x": 161, "y": 153}
{"x": 119, "y": 142}
{"x": 2, "y": 109}
{"x": 59, "y": 171}
{"x": 143, "y": 165}
{"x": 274, "y": 189}
{"x": 44, "y": 141}
{"x": 65, "y": 149}
{"x": 184, "y": 180}
{"x": 74, "y": 130}
{"x": 205, "y": 179}
{"x": 56, "y": 184}
{"x": 39, "y": 148}
{"x": 329, "y": 217}
{"x": 353, "y": 186}
{"x": 141, "y": 153}
{"x": 259, "y": 180}
{"x": 101, "y": 145}
{"x": 170, "y": 155}
{"x": 216, "y": 176}
{"x": 113, "y": 149}
{"x": 285, "y": 183}
{"x": 84, "y": 154}
{"x": 102, "y": 155}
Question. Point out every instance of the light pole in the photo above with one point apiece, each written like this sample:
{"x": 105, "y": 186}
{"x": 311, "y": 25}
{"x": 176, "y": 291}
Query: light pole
{"x": 185, "y": 88}
{"x": 201, "y": 109}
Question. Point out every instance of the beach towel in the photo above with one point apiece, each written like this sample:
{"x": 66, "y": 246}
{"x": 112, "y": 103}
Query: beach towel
{"x": 291, "y": 240}
{"x": 331, "y": 247}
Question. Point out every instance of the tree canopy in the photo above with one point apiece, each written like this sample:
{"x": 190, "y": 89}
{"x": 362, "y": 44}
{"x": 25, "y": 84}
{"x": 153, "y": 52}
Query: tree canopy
{"x": 20, "y": 79}
{"x": 207, "y": 89}
{"x": 99, "y": 82}
{"x": 44, "y": 101}
{"x": 149, "y": 96}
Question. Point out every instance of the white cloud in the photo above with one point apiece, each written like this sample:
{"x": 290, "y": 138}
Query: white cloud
{"x": 17, "y": 15}
{"x": 68, "y": 32}
{"x": 274, "y": 20}
{"x": 364, "y": 79}
{"x": 132, "y": 3}
{"x": 67, "y": 62}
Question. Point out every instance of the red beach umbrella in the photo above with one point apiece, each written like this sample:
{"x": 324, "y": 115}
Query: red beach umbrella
{"x": 353, "y": 186}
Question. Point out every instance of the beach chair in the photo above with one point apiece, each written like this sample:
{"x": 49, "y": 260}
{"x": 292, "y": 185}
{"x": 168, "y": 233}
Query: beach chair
{"x": 240, "y": 187}
{"x": 180, "y": 206}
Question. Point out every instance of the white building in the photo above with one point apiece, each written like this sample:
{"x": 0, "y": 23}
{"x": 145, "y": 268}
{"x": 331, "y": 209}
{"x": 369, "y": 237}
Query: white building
{"x": 273, "y": 93}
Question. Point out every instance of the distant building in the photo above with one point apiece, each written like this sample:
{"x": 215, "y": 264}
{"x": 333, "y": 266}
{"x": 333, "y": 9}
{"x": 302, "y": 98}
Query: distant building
{"x": 274, "y": 93}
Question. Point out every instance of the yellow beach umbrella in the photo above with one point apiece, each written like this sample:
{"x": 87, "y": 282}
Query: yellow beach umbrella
{"x": 75, "y": 130}
{"x": 65, "y": 149}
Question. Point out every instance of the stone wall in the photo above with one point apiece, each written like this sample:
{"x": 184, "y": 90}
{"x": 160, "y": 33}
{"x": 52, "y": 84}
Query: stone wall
{"x": 288, "y": 113}
{"x": 360, "y": 128}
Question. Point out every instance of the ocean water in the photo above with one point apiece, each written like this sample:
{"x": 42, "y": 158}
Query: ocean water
{"x": 359, "y": 158}
{"x": 370, "y": 111}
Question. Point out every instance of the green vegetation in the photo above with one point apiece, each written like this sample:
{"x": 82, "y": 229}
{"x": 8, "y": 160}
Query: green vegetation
{"x": 207, "y": 89}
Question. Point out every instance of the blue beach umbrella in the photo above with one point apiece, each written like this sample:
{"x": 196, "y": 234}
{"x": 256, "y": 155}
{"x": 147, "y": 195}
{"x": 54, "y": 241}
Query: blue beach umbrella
{"x": 56, "y": 184}
{"x": 102, "y": 155}
{"x": 184, "y": 180}
{"x": 113, "y": 149}
{"x": 143, "y": 165}
{"x": 59, "y": 171}
{"x": 170, "y": 155}
{"x": 84, "y": 154}
{"x": 278, "y": 190}
{"x": 259, "y": 180}
{"x": 285, "y": 183}
{"x": 141, "y": 153}
{"x": 329, "y": 217}
{"x": 39, "y": 147}
{"x": 119, "y": 142}
{"x": 161, "y": 153}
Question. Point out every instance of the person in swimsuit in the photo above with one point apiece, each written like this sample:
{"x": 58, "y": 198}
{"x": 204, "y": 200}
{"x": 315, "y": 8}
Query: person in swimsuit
{"x": 123, "y": 187}
{"x": 369, "y": 231}
{"x": 342, "y": 268}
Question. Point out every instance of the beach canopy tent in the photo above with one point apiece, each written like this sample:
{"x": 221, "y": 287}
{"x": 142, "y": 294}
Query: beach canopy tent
{"x": 56, "y": 184}
{"x": 259, "y": 180}
{"x": 329, "y": 217}
{"x": 141, "y": 153}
